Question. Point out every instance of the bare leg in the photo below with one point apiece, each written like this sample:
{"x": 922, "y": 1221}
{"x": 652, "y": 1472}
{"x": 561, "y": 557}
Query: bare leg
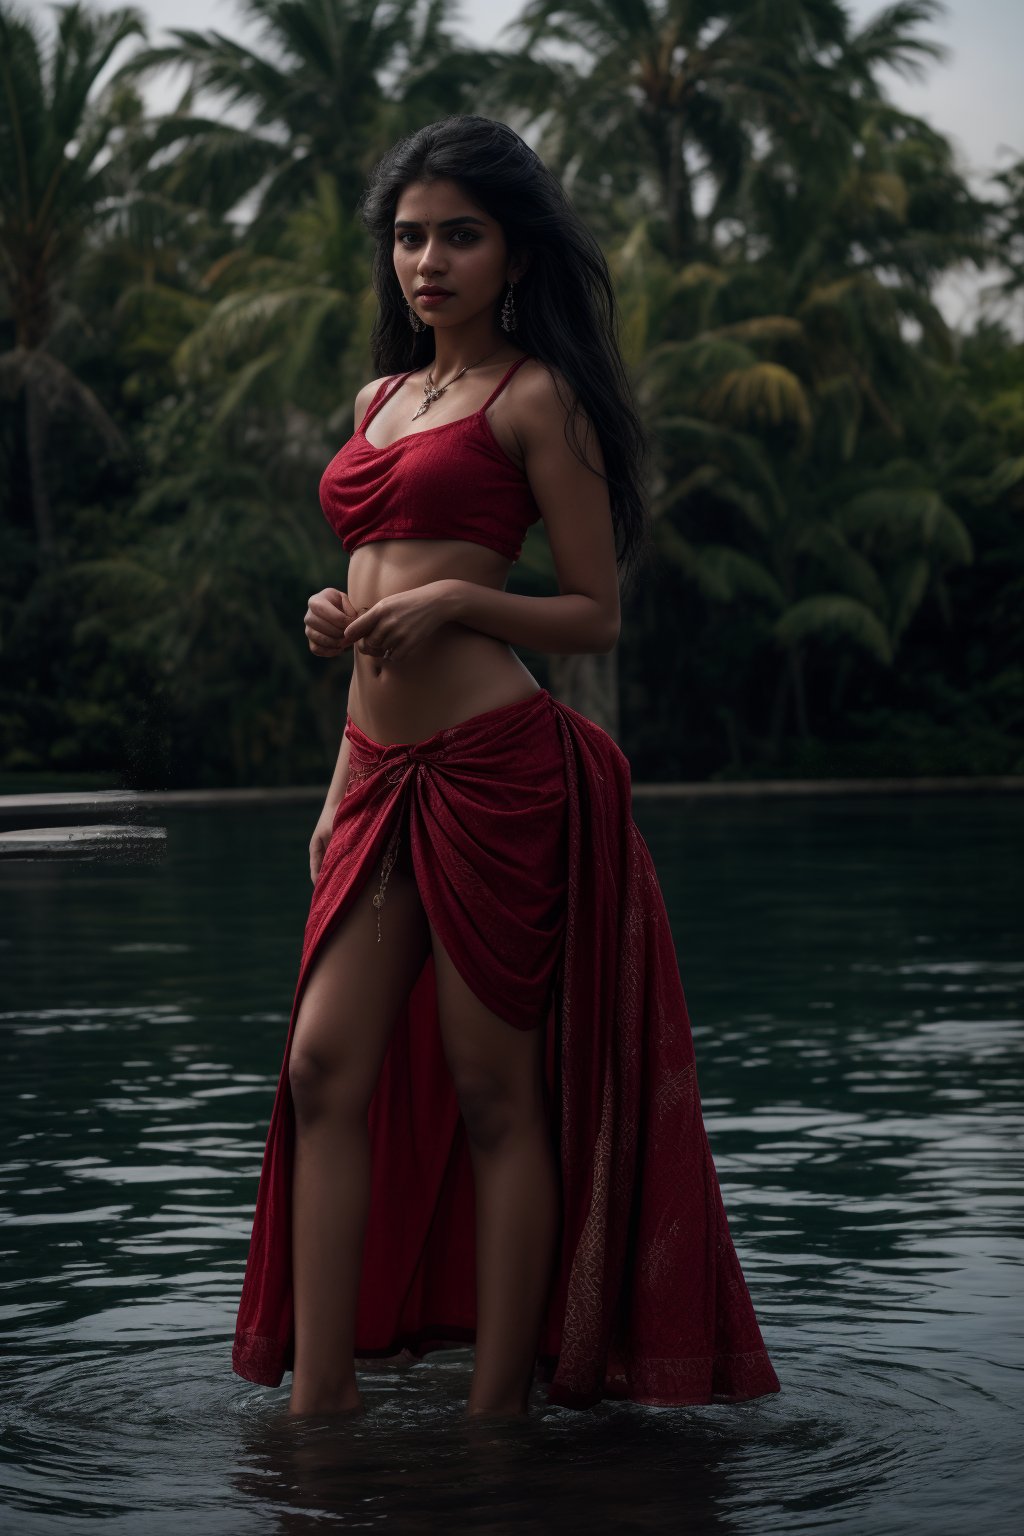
{"x": 498, "y": 1075}
{"x": 348, "y": 1010}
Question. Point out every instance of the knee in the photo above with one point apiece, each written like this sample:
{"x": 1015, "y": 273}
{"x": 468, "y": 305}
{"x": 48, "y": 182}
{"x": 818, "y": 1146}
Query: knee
{"x": 492, "y": 1110}
{"x": 325, "y": 1088}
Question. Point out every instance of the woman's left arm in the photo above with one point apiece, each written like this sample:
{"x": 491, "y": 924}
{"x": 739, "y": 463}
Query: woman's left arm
{"x": 573, "y": 501}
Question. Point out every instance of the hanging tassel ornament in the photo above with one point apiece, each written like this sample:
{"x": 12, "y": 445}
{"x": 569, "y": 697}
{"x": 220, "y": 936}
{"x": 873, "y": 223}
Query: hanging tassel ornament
{"x": 414, "y": 319}
{"x": 508, "y": 311}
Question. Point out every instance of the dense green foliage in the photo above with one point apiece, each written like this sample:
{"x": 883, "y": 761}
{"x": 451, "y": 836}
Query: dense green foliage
{"x": 837, "y": 480}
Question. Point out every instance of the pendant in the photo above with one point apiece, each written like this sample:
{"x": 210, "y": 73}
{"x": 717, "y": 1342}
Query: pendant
{"x": 430, "y": 395}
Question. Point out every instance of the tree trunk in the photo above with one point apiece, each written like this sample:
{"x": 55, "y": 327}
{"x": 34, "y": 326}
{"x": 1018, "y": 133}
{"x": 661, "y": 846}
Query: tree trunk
{"x": 778, "y": 716}
{"x": 37, "y": 425}
{"x": 796, "y": 668}
{"x": 590, "y": 684}
{"x": 679, "y": 203}
{"x": 842, "y": 677}
{"x": 730, "y": 726}
{"x": 239, "y": 757}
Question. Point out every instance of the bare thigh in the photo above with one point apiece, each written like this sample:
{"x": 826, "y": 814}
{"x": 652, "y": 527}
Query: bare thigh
{"x": 355, "y": 991}
{"x": 497, "y": 1069}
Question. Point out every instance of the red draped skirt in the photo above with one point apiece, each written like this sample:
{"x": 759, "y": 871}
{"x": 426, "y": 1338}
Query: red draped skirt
{"x": 540, "y": 886}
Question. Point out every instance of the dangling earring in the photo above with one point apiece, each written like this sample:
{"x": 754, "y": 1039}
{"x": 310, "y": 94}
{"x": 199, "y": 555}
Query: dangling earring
{"x": 508, "y": 311}
{"x": 414, "y": 319}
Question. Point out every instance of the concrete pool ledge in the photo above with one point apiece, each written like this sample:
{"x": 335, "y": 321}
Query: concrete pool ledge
{"x": 112, "y": 834}
{"x": 21, "y": 808}
{"x": 752, "y": 789}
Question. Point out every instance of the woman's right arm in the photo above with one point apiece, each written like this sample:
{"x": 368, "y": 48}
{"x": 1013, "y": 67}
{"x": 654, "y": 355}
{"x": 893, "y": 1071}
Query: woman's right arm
{"x": 339, "y": 780}
{"x": 335, "y": 793}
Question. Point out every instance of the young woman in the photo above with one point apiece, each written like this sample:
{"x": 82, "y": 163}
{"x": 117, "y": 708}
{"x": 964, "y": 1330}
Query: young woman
{"x": 487, "y": 1127}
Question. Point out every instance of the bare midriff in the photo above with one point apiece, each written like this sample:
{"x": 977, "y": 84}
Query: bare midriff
{"x": 459, "y": 672}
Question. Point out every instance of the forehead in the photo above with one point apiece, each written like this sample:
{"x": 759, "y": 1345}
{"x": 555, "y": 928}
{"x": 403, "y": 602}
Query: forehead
{"x": 428, "y": 202}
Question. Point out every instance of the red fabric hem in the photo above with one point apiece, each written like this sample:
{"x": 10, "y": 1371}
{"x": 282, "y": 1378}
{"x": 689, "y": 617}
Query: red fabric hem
{"x": 543, "y": 892}
{"x": 252, "y": 1359}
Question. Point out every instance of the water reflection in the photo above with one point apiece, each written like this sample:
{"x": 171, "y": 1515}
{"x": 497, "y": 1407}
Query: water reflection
{"x": 462, "y": 1474}
{"x": 855, "y": 985}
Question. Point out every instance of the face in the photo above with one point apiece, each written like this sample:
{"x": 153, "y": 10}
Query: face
{"x": 445, "y": 241}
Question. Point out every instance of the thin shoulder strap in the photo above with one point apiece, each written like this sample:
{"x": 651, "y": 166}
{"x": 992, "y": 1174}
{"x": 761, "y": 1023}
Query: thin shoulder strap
{"x": 397, "y": 379}
{"x": 496, "y": 392}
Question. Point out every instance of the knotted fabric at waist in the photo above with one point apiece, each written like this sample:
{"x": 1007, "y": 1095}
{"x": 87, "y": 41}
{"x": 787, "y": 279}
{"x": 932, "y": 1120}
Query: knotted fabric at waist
{"x": 487, "y": 818}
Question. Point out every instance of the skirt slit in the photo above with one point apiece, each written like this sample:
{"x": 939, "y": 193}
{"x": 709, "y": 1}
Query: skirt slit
{"x": 543, "y": 893}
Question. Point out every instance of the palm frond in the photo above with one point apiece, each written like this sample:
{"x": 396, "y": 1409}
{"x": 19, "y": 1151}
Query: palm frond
{"x": 763, "y": 395}
{"x": 844, "y": 565}
{"x": 908, "y": 518}
{"x": 59, "y": 389}
{"x": 835, "y": 617}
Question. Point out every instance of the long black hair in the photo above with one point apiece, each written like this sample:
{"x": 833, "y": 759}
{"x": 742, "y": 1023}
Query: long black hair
{"x": 565, "y": 303}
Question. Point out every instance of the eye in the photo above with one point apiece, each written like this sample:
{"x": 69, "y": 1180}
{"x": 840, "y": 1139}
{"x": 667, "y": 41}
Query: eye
{"x": 458, "y": 236}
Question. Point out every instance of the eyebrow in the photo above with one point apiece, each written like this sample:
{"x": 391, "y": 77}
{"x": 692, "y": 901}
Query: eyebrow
{"x": 466, "y": 218}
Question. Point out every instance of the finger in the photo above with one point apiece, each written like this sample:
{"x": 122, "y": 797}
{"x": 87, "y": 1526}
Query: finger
{"x": 318, "y": 623}
{"x": 320, "y": 605}
{"x": 364, "y": 624}
{"x": 329, "y": 601}
{"x": 321, "y": 637}
{"x": 325, "y": 618}
{"x": 373, "y": 644}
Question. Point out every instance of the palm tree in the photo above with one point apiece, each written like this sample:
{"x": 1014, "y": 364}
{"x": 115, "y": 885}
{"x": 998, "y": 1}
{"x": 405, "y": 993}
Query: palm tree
{"x": 289, "y": 329}
{"x": 207, "y": 589}
{"x": 60, "y": 138}
{"x": 784, "y": 480}
{"x": 782, "y": 418}
{"x": 328, "y": 87}
{"x": 1009, "y": 232}
{"x": 679, "y": 94}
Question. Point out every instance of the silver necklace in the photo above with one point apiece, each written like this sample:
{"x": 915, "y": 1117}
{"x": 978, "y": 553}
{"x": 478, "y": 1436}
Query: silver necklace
{"x": 432, "y": 391}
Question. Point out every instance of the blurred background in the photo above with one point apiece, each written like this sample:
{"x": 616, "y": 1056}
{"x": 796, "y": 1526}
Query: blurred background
{"x": 814, "y": 213}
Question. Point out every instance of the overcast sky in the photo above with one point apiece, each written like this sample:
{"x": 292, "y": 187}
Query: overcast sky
{"x": 976, "y": 97}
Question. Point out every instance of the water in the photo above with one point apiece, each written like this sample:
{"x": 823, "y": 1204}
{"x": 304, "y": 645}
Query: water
{"x": 855, "y": 983}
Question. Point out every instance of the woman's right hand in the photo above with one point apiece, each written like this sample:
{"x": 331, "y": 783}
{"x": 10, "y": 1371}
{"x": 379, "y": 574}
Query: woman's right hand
{"x": 328, "y": 614}
{"x": 321, "y": 837}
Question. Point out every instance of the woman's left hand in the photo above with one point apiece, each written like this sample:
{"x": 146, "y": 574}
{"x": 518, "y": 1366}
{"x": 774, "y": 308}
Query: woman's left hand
{"x": 401, "y": 622}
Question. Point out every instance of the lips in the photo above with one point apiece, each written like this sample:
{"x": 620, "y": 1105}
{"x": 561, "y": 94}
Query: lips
{"x": 433, "y": 293}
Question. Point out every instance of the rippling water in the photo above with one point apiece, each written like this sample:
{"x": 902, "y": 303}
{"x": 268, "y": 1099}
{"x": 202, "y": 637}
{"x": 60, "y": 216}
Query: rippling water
{"x": 855, "y": 980}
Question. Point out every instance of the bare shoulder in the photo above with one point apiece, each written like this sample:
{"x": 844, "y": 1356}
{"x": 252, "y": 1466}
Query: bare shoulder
{"x": 365, "y": 395}
{"x": 545, "y": 404}
{"x": 542, "y": 392}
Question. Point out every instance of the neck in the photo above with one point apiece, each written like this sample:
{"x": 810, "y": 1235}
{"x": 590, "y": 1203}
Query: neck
{"x": 461, "y": 346}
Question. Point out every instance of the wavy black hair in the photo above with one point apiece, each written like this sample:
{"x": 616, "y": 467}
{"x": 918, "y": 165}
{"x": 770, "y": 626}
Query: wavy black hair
{"x": 565, "y": 302}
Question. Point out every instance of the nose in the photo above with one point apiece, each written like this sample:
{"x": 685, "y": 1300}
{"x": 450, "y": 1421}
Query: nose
{"x": 431, "y": 260}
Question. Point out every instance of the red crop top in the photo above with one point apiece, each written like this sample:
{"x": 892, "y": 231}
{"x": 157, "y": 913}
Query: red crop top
{"x": 452, "y": 481}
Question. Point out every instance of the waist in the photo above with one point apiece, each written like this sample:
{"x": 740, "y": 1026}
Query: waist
{"x": 523, "y": 732}
{"x": 458, "y": 673}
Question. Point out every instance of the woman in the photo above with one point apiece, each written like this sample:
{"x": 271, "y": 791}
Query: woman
{"x": 487, "y": 1127}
